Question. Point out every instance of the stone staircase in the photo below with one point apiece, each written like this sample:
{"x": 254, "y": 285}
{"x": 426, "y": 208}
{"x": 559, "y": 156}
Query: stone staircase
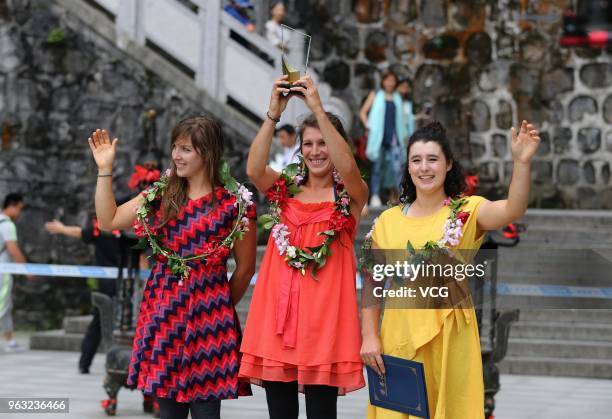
{"x": 574, "y": 339}
{"x": 574, "y": 343}
{"x": 569, "y": 248}
{"x": 67, "y": 339}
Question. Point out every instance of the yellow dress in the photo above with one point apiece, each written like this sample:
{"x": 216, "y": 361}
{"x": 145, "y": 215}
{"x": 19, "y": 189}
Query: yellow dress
{"x": 446, "y": 341}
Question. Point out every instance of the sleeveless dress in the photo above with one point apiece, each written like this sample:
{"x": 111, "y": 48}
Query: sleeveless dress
{"x": 187, "y": 336}
{"x": 446, "y": 341}
{"x": 302, "y": 329}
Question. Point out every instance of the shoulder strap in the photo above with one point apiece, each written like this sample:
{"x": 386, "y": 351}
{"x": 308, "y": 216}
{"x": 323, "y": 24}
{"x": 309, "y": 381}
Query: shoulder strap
{"x": 405, "y": 209}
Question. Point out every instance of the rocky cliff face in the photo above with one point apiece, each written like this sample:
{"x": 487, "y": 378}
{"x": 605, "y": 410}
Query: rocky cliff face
{"x": 485, "y": 65}
{"x": 56, "y": 86}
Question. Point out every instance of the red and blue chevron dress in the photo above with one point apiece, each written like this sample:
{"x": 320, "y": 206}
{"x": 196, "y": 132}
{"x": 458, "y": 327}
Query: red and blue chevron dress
{"x": 187, "y": 335}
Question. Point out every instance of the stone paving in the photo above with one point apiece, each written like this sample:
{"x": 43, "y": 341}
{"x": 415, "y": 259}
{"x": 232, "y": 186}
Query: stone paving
{"x": 54, "y": 374}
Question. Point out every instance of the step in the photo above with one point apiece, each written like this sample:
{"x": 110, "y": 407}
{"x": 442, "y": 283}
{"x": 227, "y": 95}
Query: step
{"x": 243, "y": 306}
{"x": 531, "y": 365}
{"x": 562, "y": 331}
{"x": 558, "y": 232}
{"x": 568, "y": 316}
{"x": 552, "y": 276}
{"x": 568, "y": 218}
{"x": 543, "y": 218}
{"x": 547, "y": 255}
{"x": 56, "y": 340}
{"x": 512, "y": 302}
{"x": 572, "y": 349}
{"x": 77, "y": 324}
{"x": 566, "y": 229}
{"x": 544, "y": 240}
{"x": 261, "y": 249}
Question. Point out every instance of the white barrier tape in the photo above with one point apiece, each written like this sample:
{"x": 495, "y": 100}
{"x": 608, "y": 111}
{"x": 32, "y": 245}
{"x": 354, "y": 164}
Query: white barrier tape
{"x": 539, "y": 290}
{"x": 73, "y": 271}
{"x": 105, "y": 272}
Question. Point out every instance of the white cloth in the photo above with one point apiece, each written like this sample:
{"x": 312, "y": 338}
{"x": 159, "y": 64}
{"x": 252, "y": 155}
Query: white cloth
{"x": 274, "y": 33}
{"x": 284, "y": 158}
{"x": 8, "y": 232}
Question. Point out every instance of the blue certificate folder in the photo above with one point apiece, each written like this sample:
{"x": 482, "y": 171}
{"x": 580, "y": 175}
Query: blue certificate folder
{"x": 402, "y": 388}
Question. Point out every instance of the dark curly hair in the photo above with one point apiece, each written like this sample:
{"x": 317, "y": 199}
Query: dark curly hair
{"x": 454, "y": 184}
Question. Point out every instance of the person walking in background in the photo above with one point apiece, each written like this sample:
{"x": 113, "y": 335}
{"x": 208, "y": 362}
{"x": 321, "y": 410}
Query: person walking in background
{"x": 289, "y": 148}
{"x": 405, "y": 91}
{"x": 273, "y": 26}
{"x": 383, "y": 119}
{"x": 106, "y": 245}
{"x": 9, "y": 252}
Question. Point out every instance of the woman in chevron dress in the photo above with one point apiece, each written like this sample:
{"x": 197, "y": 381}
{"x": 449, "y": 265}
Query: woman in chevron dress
{"x": 185, "y": 349}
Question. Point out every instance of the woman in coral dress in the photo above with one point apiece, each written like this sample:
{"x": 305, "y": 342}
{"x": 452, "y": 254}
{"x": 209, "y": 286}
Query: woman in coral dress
{"x": 302, "y": 331}
{"x": 445, "y": 340}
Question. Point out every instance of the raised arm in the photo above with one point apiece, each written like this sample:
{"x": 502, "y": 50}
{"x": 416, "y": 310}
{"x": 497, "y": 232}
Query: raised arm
{"x": 340, "y": 152}
{"x": 496, "y": 214}
{"x": 110, "y": 217}
{"x": 365, "y": 109}
{"x": 258, "y": 170}
{"x": 57, "y": 227}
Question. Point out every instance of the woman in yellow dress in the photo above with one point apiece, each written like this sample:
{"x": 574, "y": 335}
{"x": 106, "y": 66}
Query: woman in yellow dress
{"x": 445, "y": 340}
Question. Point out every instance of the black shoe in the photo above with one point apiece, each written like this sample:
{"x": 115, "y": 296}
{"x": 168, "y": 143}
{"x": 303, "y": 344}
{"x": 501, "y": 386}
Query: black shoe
{"x": 147, "y": 404}
{"x": 83, "y": 370}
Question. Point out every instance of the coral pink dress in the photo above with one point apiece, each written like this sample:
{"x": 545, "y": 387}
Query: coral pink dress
{"x": 302, "y": 329}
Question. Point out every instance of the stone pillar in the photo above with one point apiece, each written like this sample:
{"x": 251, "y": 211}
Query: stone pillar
{"x": 129, "y": 23}
{"x": 207, "y": 74}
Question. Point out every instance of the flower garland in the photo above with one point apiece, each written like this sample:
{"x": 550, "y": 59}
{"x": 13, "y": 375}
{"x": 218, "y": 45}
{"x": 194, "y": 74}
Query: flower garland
{"x": 452, "y": 231}
{"x": 212, "y": 252}
{"x": 316, "y": 256}
{"x": 143, "y": 175}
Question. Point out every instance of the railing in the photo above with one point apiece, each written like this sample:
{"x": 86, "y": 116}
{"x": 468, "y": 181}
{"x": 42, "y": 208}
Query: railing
{"x": 232, "y": 65}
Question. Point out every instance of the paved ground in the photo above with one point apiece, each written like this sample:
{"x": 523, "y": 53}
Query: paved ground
{"x": 53, "y": 374}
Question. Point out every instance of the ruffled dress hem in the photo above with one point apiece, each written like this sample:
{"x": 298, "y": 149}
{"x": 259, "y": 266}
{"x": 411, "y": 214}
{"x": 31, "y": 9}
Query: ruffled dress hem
{"x": 346, "y": 375}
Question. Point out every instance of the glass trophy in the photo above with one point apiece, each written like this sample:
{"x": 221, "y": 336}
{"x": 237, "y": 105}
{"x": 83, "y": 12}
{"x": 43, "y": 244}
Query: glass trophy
{"x": 295, "y": 48}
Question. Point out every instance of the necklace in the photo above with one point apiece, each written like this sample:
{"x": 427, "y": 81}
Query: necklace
{"x": 312, "y": 257}
{"x": 452, "y": 231}
{"x": 212, "y": 252}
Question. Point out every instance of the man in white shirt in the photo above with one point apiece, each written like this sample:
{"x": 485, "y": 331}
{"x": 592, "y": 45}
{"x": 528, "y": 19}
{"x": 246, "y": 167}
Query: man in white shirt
{"x": 290, "y": 148}
{"x": 9, "y": 252}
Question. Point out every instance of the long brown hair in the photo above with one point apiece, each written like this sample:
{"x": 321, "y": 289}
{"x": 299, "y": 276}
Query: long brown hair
{"x": 207, "y": 139}
{"x": 311, "y": 122}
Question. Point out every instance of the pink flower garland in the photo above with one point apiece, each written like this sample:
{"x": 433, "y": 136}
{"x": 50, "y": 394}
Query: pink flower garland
{"x": 295, "y": 257}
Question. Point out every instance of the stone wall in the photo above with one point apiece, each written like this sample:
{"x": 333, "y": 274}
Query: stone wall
{"x": 56, "y": 86}
{"x": 485, "y": 65}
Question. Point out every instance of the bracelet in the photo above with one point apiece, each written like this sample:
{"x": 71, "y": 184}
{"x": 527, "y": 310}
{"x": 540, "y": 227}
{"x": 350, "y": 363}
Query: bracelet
{"x": 110, "y": 175}
{"x": 275, "y": 120}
